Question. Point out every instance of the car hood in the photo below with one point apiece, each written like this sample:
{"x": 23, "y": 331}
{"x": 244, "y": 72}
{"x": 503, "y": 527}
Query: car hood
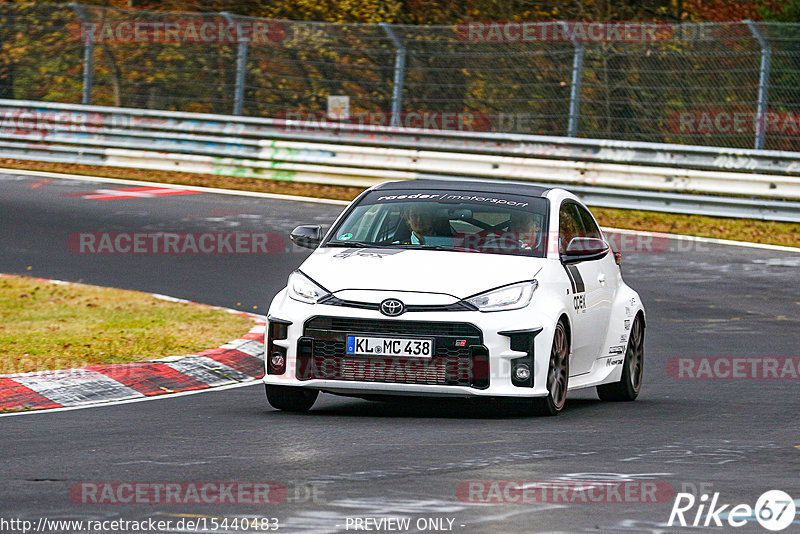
{"x": 459, "y": 274}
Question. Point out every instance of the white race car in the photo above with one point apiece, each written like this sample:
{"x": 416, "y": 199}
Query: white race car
{"x": 457, "y": 289}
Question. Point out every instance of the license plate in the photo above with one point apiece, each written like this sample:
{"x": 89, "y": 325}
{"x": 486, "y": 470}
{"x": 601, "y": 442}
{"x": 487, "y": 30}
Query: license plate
{"x": 389, "y": 346}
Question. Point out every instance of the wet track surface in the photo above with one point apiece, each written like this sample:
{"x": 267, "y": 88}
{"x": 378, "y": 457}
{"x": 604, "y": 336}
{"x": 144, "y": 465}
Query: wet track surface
{"x": 349, "y": 458}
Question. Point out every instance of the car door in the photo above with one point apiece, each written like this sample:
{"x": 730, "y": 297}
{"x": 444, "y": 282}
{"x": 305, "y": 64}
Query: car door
{"x": 590, "y": 289}
{"x": 607, "y": 277}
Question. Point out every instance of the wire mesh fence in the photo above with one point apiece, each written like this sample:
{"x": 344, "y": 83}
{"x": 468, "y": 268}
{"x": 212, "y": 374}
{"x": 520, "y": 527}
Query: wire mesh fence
{"x": 725, "y": 84}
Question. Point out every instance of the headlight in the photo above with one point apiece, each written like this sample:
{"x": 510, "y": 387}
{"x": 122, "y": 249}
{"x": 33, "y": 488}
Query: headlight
{"x": 304, "y": 289}
{"x": 505, "y": 298}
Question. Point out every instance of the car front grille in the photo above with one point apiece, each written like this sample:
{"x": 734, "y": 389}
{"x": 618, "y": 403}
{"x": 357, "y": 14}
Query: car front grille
{"x": 347, "y": 325}
{"x": 459, "y": 358}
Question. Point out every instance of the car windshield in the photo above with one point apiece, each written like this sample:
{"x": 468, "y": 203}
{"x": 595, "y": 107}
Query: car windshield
{"x": 446, "y": 220}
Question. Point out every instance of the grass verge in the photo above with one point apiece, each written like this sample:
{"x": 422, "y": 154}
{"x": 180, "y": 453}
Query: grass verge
{"x": 45, "y": 326}
{"x": 768, "y": 232}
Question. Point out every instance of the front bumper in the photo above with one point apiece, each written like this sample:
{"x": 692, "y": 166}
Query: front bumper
{"x": 475, "y": 353}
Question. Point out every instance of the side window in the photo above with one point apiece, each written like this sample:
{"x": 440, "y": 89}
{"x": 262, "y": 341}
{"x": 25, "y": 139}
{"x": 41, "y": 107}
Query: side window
{"x": 590, "y": 228}
{"x": 569, "y": 225}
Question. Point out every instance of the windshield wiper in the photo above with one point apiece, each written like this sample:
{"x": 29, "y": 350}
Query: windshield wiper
{"x": 412, "y": 246}
{"x": 352, "y": 244}
{"x": 434, "y": 247}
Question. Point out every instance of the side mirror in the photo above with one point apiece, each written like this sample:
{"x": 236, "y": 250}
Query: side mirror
{"x": 584, "y": 249}
{"x": 306, "y": 236}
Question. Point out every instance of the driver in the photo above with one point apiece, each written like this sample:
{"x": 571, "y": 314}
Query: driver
{"x": 422, "y": 221}
{"x": 526, "y": 229}
{"x": 426, "y": 227}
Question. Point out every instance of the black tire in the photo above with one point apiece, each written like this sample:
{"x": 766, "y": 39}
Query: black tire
{"x": 630, "y": 384}
{"x": 557, "y": 375}
{"x": 291, "y": 399}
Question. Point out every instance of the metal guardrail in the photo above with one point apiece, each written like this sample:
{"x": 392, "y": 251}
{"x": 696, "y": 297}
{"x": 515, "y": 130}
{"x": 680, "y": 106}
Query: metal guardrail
{"x": 714, "y": 83}
{"x": 611, "y": 173}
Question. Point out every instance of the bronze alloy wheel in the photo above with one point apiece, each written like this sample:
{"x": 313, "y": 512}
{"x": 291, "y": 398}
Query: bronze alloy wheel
{"x": 629, "y": 385}
{"x": 557, "y": 375}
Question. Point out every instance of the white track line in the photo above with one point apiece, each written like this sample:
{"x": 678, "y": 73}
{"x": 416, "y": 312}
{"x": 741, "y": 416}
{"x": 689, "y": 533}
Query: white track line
{"x": 696, "y": 239}
{"x": 212, "y": 190}
{"x": 158, "y": 296}
{"x": 275, "y": 196}
{"x": 131, "y": 401}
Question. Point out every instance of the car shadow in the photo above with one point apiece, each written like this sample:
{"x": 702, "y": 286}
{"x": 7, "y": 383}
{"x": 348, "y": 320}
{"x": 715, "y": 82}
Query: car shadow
{"x": 431, "y": 408}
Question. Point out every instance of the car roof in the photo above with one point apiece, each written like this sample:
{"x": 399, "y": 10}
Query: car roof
{"x": 465, "y": 185}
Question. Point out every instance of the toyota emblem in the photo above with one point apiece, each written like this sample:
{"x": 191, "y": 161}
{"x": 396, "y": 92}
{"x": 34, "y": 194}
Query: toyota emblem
{"x": 392, "y": 307}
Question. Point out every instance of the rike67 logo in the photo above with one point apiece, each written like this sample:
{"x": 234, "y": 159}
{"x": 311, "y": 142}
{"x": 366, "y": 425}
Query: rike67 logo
{"x": 774, "y": 510}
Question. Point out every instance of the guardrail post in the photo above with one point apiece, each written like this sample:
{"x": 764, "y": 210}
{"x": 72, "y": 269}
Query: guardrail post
{"x": 88, "y": 56}
{"x": 241, "y": 63}
{"x": 763, "y": 84}
{"x": 575, "y": 86}
{"x": 399, "y": 70}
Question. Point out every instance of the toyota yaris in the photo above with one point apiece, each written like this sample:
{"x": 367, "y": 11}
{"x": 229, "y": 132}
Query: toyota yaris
{"x": 456, "y": 289}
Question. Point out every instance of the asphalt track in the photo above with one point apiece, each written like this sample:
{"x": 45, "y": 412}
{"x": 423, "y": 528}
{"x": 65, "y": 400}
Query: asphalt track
{"x": 350, "y": 458}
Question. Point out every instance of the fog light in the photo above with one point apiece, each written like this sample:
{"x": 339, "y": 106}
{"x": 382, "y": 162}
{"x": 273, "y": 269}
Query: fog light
{"x": 275, "y": 356}
{"x": 522, "y": 372}
{"x": 278, "y": 362}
